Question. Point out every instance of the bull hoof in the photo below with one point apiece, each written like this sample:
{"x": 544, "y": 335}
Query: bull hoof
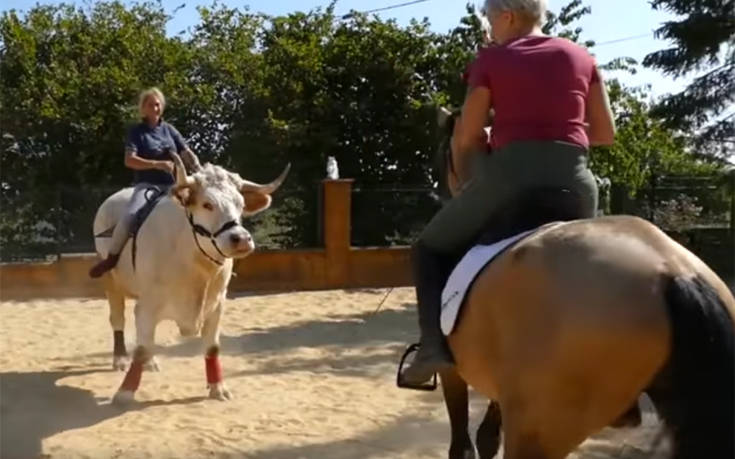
{"x": 151, "y": 365}
{"x": 219, "y": 392}
{"x": 123, "y": 397}
{"x": 120, "y": 362}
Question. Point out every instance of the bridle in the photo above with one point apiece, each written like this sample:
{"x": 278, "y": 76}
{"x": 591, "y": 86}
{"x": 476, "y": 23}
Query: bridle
{"x": 196, "y": 228}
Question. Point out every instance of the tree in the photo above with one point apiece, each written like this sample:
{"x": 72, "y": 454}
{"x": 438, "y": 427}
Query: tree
{"x": 252, "y": 92}
{"x": 70, "y": 77}
{"x": 704, "y": 39}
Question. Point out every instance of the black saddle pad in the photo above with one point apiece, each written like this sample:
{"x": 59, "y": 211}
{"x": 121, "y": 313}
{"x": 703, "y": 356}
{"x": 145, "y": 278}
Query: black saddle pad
{"x": 153, "y": 196}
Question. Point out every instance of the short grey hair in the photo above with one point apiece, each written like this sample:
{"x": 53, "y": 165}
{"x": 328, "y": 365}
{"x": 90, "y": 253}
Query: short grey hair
{"x": 534, "y": 9}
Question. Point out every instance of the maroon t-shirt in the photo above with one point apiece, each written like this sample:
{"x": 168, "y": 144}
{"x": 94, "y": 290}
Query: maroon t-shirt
{"x": 538, "y": 86}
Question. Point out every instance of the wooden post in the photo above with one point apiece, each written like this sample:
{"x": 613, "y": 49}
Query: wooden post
{"x": 337, "y": 226}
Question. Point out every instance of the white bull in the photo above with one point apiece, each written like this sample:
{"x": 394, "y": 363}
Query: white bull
{"x": 184, "y": 258}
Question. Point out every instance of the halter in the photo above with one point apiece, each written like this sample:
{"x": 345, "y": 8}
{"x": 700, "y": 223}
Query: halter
{"x": 196, "y": 228}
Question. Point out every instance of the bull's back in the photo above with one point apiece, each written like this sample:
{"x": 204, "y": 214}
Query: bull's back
{"x": 107, "y": 215}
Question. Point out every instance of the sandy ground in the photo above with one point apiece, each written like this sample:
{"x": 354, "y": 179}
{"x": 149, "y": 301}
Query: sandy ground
{"x": 312, "y": 374}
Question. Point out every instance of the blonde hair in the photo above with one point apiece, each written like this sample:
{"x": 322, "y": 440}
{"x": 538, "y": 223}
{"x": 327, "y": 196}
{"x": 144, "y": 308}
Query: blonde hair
{"x": 148, "y": 93}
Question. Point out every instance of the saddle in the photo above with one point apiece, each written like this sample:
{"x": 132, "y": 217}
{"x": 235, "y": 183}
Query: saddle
{"x": 152, "y": 197}
{"x": 513, "y": 221}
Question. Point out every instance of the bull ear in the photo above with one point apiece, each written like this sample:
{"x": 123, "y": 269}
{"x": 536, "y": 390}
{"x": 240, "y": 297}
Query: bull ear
{"x": 255, "y": 202}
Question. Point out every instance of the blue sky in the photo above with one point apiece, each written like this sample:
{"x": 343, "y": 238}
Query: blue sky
{"x": 610, "y": 20}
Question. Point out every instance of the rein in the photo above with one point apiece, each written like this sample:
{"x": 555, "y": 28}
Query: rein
{"x": 196, "y": 228}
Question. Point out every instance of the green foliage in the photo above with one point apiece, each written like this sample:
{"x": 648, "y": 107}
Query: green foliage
{"x": 252, "y": 92}
{"x": 558, "y": 24}
{"x": 644, "y": 146}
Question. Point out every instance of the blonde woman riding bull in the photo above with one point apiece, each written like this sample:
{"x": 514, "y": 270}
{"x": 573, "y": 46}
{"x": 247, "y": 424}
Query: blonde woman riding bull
{"x": 147, "y": 153}
{"x": 550, "y": 104}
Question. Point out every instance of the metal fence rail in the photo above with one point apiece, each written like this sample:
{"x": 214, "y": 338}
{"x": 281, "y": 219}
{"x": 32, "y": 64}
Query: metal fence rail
{"x": 44, "y": 223}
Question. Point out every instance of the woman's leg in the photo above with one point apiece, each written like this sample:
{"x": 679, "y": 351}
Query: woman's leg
{"x": 453, "y": 229}
{"x": 500, "y": 178}
{"x": 121, "y": 233}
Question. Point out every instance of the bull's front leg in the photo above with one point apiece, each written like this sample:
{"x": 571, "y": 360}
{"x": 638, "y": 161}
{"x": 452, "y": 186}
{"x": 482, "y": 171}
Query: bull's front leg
{"x": 145, "y": 327}
{"x": 210, "y": 340}
{"x": 116, "y": 300}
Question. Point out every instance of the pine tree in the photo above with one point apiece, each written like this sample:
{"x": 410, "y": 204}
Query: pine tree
{"x": 703, "y": 40}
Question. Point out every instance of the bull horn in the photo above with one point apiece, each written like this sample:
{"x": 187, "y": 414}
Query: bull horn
{"x": 195, "y": 165}
{"x": 268, "y": 188}
{"x": 182, "y": 180}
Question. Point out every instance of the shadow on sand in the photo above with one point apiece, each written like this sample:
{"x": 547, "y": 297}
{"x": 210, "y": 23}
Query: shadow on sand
{"x": 346, "y": 331}
{"x": 33, "y": 406}
{"x": 407, "y": 436}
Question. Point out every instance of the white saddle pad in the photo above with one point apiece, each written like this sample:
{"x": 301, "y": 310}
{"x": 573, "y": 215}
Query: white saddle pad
{"x": 464, "y": 273}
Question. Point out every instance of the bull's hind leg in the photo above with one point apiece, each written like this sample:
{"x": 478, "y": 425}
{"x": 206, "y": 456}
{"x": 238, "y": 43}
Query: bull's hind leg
{"x": 145, "y": 327}
{"x": 116, "y": 300}
{"x": 210, "y": 340}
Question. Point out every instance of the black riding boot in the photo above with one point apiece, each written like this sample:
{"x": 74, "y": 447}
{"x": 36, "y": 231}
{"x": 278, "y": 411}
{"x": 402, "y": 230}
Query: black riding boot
{"x": 430, "y": 272}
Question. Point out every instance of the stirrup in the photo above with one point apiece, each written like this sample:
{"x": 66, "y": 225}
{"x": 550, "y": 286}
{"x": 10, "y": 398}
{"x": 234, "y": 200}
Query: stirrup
{"x": 431, "y": 386}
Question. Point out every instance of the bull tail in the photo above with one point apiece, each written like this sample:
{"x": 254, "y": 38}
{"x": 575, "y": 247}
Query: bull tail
{"x": 695, "y": 393}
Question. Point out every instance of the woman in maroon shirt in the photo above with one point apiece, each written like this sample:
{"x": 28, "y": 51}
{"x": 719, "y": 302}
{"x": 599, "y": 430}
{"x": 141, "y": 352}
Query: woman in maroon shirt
{"x": 550, "y": 105}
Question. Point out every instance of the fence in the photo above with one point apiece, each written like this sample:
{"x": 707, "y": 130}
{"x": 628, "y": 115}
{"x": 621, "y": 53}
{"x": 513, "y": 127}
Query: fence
{"x": 311, "y": 242}
{"x": 391, "y": 216}
{"x": 335, "y": 265}
{"x": 46, "y": 223}
{"x": 699, "y": 212}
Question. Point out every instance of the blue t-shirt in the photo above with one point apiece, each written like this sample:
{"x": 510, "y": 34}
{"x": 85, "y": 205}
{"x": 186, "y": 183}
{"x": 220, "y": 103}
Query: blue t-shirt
{"x": 154, "y": 143}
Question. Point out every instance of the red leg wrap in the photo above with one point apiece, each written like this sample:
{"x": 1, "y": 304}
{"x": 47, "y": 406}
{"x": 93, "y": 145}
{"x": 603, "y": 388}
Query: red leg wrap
{"x": 214, "y": 369}
{"x": 132, "y": 377}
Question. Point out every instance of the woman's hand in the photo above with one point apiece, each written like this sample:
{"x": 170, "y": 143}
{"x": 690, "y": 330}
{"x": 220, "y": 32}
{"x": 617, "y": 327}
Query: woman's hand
{"x": 167, "y": 166}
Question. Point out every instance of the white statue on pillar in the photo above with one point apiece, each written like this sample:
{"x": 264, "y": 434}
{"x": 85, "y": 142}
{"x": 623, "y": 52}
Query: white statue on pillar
{"x": 332, "y": 169}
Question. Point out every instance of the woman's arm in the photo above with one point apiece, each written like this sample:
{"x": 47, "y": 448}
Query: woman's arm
{"x": 190, "y": 159}
{"x": 135, "y": 162}
{"x": 469, "y": 134}
{"x": 601, "y": 124}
